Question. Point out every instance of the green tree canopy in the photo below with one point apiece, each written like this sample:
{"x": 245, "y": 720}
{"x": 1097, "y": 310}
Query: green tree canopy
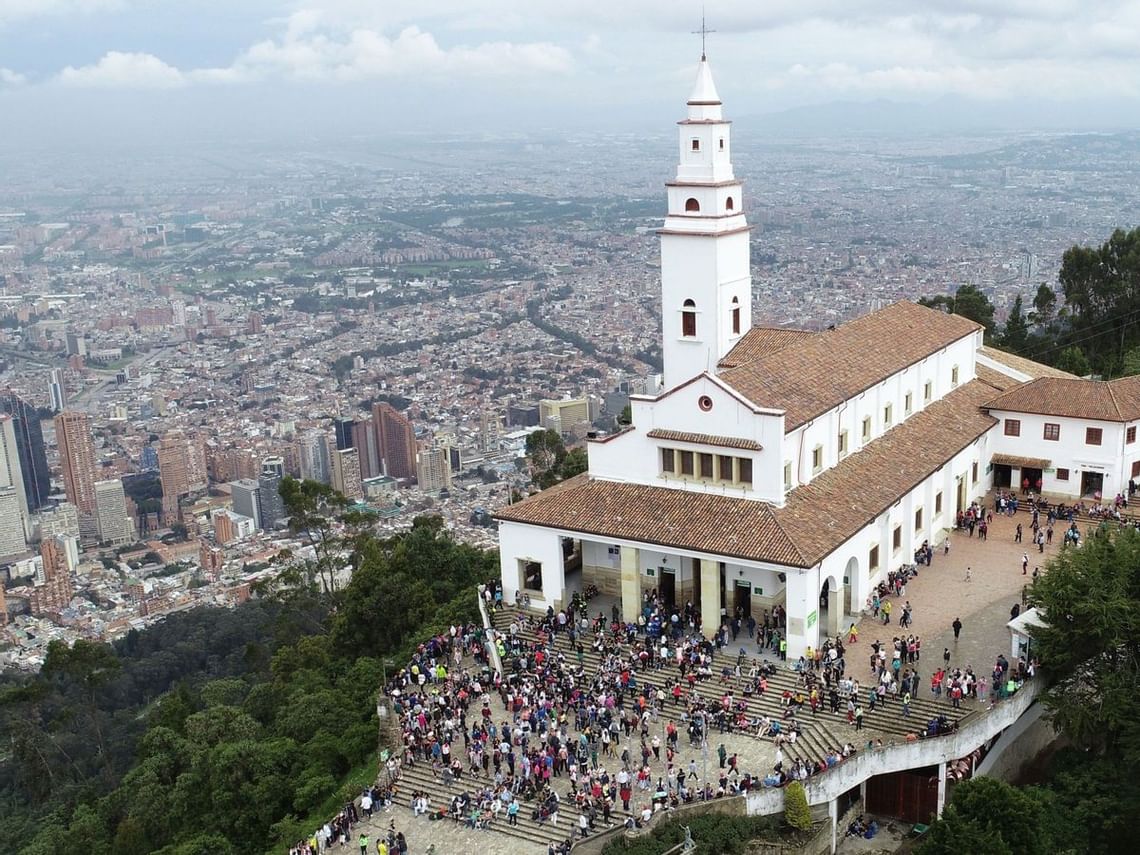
{"x": 1073, "y": 360}
{"x": 1015, "y": 333}
{"x": 1089, "y": 645}
{"x": 969, "y": 301}
{"x": 549, "y": 461}
{"x": 1102, "y": 291}
{"x": 1008, "y": 819}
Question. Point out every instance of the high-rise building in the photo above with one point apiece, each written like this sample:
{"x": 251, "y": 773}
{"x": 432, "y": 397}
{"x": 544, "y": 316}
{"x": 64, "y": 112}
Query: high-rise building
{"x": 270, "y": 504}
{"x": 63, "y": 520}
{"x": 395, "y": 440}
{"x": 55, "y": 593}
{"x": 30, "y": 446}
{"x": 13, "y": 534}
{"x": 57, "y": 391}
{"x": 273, "y": 465}
{"x": 314, "y": 448}
{"x": 115, "y": 524}
{"x": 345, "y": 471}
{"x": 76, "y": 344}
{"x": 246, "y": 499}
{"x": 211, "y": 559}
{"x": 271, "y": 507}
{"x": 229, "y": 527}
{"x": 174, "y": 473}
{"x": 562, "y": 415}
{"x": 197, "y": 472}
{"x": 10, "y": 473}
{"x": 367, "y": 448}
{"x": 77, "y": 460}
{"x": 342, "y": 428}
{"x": 433, "y": 469}
{"x": 490, "y": 428}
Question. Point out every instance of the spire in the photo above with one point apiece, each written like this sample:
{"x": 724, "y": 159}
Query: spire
{"x": 704, "y": 92}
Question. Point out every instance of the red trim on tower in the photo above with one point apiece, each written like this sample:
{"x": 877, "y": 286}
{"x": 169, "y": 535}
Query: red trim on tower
{"x": 687, "y": 233}
{"x": 731, "y": 183}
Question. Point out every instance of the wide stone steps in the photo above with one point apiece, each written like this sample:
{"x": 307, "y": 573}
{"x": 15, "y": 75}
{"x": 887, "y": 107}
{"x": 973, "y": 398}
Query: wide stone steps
{"x": 420, "y": 777}
{"x": 818, "y": 733}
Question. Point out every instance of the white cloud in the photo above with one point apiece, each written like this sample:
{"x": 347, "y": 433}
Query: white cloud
{"x": 16, "y": 10}
{"x": 8, "y": 77}
{"x": 306, "y": 52}
{"x": 118, "y": 70}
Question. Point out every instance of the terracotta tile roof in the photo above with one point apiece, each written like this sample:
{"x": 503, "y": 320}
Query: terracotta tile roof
{"x": 810, "y": 377}
{"x": 1126, "y": 392}
{"x": 994, "y": 377}
{"x": 1020, "y": 462}
{"x": 761, "y": 340}
{"x": 1098, "y": 400}
{"x": 706, "y": 439}
{"x": 1025, "y": 366}
{"x": 820, "y": 516}
{"x": 718, "y": 525}
{"x": 817, "y": 519}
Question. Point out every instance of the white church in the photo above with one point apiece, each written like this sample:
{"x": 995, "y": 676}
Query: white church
{"x": 797, "y": 468}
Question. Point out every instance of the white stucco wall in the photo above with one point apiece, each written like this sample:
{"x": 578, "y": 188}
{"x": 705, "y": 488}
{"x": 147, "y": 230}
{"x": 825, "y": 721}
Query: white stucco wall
{"x": 635, "y": 457}
{"x": 1113, "y": 457}
{"x": 804, "y": 586}
{"x": 524, "y": 542}
{"x": 824, "y": 430}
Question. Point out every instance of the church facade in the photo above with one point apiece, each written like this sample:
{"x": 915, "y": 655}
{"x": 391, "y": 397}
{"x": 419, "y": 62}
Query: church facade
{"x": 777, "y": 466}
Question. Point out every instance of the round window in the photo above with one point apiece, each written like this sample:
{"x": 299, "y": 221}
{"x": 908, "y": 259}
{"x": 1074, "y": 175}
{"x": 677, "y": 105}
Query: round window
{"x": 704, "y": 402}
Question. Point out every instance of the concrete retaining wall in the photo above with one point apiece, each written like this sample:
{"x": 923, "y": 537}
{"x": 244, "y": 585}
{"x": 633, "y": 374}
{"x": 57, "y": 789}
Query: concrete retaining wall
{"x": 898, "y": 758}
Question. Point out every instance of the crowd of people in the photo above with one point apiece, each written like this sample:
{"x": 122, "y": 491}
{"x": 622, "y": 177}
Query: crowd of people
{"x": 579, "y": 749}
{"x": 338, "y": 832}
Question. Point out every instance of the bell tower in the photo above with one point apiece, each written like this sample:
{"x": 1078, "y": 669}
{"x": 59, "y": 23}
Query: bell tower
{"x": 706, "y": 281}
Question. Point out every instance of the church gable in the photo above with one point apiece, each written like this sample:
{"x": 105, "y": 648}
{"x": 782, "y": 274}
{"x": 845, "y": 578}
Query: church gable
{"x": 706, "y": 406}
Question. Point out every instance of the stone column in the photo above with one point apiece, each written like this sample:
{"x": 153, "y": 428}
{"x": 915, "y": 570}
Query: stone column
{"x": 941, "y": 788}
{"x": 710, "y": 597}
{"x": 833, "y": 813}
{"x": 630, "y": 583}
{"x": 834, "y": 611}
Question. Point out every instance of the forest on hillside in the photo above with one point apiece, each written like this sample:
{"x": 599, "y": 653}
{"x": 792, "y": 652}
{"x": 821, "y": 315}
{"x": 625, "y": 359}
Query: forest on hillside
{"x": 223, "y": 731}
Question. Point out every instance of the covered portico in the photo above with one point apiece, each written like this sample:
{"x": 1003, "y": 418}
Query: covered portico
{"x": 550, "y": 564}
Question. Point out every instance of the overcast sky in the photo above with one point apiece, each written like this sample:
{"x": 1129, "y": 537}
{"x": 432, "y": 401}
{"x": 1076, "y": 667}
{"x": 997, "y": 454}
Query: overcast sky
{"x": 73, "y": 67}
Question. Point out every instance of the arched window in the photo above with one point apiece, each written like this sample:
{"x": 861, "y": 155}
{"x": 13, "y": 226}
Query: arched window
{"x": 735, "y": 316}
{"x": 692, "y": 204}
{"x": 689, "y": 319}
{"x": 729, "y": 205}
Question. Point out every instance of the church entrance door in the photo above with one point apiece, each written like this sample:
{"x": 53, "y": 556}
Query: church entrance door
{"x": 667, "y": 586}
{"x": 742, "y": 599}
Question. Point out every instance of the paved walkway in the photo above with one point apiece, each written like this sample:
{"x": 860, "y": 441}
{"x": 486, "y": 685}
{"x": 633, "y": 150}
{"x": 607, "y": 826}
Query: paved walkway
{"x": 941, "y": 593}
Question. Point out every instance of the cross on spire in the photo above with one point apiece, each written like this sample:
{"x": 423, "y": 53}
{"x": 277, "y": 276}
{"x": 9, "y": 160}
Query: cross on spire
{"x": 702, "y": 32}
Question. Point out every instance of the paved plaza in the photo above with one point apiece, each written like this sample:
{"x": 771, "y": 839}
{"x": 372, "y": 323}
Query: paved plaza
{"x": 941, "y": 593}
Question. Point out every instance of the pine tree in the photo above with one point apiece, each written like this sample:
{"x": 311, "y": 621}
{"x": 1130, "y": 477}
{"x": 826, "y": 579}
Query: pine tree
{"x": 797, "y": 814}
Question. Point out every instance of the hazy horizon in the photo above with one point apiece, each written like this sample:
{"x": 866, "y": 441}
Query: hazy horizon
{"x": 95, "y": 72}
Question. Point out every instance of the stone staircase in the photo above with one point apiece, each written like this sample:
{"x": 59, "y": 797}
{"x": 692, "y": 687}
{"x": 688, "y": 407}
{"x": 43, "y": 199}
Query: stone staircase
{"x": 420, "y": 777}
{"x": 818, "y": 733}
